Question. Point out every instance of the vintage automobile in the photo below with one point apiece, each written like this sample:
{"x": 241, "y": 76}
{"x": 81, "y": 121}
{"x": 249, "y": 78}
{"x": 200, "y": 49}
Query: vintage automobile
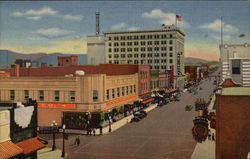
{"x": 188, "y": 107}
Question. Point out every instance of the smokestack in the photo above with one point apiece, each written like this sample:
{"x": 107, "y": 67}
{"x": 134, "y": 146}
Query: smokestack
{"x": 97, "y": 18}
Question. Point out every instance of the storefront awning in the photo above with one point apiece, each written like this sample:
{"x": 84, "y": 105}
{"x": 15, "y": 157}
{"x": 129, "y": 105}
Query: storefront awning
{"x": 8, "y": 149}
{"x": 170, "y": 90}
{"x": 147, "y": 101}
{"x": 31, "y": 145}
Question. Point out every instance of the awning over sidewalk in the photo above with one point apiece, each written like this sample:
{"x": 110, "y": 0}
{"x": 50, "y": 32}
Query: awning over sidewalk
{"x": 147, "y": 101}
{"x": 170, "y": 90}
{"x": 31, "y": 145}
{"x": 8, "y": 149}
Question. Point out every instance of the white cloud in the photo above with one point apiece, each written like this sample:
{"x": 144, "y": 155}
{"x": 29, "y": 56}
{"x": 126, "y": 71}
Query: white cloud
{"x": 216, "y": 26}
{"x": 165, "y": 18}
{"x": 73, "y": 17}
{"x": 133, "y": 28}
{"x": 39, "y": 12}
{"x": 53, "y": 32}
{"x": 119, "y": 26}
{"x": 34, "y": 18}
{"x": 225, "y": 37}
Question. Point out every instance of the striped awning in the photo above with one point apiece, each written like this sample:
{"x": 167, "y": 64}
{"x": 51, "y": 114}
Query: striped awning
{"x": 8, "y": 149}
{"x": 31, "y": 145}
{"x": 147, "y": 101}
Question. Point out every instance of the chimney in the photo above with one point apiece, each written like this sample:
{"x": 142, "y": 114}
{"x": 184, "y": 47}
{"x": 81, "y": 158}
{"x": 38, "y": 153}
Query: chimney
{"x": 16, "y": 70}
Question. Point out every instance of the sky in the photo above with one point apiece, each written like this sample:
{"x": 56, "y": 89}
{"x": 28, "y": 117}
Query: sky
{"x": 63, "y": 26}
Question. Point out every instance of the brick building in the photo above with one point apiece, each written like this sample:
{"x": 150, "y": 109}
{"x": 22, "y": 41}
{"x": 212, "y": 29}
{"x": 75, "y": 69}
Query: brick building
{"x": 232, "y": 121}
{"x": 67, "y": 60}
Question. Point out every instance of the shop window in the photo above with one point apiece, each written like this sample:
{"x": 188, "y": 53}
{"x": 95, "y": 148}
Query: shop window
{"x": 41, "y": 95}
{"x": 107, "y": 94}
{"x": 72, "y": 96}
{"x": 131, "y": 89}
{"x": 12, "y": 94}
{"x": 95, "y": 95}
{"x": 126, "y": 90}
{"x": 26, "y": 94}
{"x": 236, "y": 66}
{"x": 56, "y": 95}
{"x": 134, "y": 89}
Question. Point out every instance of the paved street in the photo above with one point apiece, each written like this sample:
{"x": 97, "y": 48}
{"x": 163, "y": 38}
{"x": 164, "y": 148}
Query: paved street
{"x": 164, "y": 134}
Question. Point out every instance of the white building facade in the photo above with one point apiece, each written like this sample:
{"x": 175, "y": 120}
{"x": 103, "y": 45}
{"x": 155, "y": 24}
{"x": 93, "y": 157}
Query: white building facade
{"x": 96, "y": 49}
{"x": 235, "y": 63}
{"x": 160, "y": 48}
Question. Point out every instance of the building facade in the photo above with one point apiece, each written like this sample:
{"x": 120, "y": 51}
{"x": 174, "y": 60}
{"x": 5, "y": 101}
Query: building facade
{"x": 96, "y": 50}
{"x": 232, "y": 121}
{"x": 160, "y": 48}
{"x": 67, "y": 61}
{"x": 87, "y": 93}
{"x": 235, "y": 60}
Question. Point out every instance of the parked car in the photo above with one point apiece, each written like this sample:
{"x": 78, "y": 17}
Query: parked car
{"x": 135, "y": 119}
{"x": 139, "y": 115}
{"x": 143, "y": 112}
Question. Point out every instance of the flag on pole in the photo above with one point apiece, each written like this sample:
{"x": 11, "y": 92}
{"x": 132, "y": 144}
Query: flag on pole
{"x": 178, "y": 18}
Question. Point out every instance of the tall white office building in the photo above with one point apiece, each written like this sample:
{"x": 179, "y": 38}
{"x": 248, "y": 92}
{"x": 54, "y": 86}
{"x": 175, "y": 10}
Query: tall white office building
{"x": 160, "y": 48}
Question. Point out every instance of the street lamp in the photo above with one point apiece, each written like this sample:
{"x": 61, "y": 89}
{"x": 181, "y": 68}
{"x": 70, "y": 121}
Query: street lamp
{"x": 63, "y": 150}
{"x": 53, "y": 126}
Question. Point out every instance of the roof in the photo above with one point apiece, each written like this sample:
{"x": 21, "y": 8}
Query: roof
{"x": 8, "y": 149}
{"x": 228, "y": 82}
{"x": 31, "y": 145}
{"x": 146, "y": 30}
{"x": 236, "y": 91}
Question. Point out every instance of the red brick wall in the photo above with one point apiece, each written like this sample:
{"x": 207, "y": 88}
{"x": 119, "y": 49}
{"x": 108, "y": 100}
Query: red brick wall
{"x": 144, "y": 79}
{"x": 67, "y": 60}
{"x": 232, "y": 127}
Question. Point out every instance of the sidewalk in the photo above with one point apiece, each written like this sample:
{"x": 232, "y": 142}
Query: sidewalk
{"x": 205, "y": 150}
{"x": 122, "y": 122}
{"x": 46, "y": 153}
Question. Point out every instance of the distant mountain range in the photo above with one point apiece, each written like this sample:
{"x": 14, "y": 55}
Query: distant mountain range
{"x": 7, "y": 58}
{"x": 194, "y": 60}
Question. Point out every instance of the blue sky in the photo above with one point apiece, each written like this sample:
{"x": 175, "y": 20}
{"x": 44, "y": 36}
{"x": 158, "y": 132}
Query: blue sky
{"x": 61, "y": 26}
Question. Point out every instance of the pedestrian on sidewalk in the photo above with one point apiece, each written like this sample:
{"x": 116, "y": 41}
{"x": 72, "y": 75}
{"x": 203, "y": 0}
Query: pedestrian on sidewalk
{"x": 94, "y": 131}
{"x": 213, "y": 136}
{"x": 209, "y": 134}
{"x": 100, "y": 130}
{"x": 78, "y": 140}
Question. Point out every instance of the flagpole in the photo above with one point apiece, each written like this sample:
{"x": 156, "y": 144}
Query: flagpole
{"x": 175, "y": 21}
{"x": 221, "y": 30}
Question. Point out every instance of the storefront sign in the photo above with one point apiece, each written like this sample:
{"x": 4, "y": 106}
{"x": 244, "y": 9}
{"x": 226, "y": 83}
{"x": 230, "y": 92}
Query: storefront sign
{"x": 120, "y": 100}
{"x": 66, "y": 106}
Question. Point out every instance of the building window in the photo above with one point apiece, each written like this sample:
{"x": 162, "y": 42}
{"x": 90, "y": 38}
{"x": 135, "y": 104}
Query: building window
{"x": 129, "y": 49}
{"x": 236, "y": 66}
{"x": 136, "y": 37}
{"x": 143, "y": 43}
{"x": 156, "y": 42}
{"x": 116, "y": 44}
{"x": 131, "y": 89}
{"x": 150, "y": 36}
{"x": 171, "y": 42}
{"x": 157, "y": 55}
{"x": 116, "y": 49}
{"x": 123, "y": 38}
{"x": 142, "y": 36}
{"x": 163, "y": 55}
{"x": 110, "y": 61}
{"x": 170, "y": 54}
{"x": 134, "y": 89}
{"x": 41, "y": 95}
{"x": 170, "y": 36}
{"x": 149, "y": 49}
{"x": 12, "y": 94}
{"x": 170, "y": 48}
{"x": 157, "y": 36}
{"x": 110, "y": 44}
{"x": 143, "y": 49}
{"x": 116, "y": 56}
{"x": 163, "y": 48}
{"x": 129, "y": 43}
{"x": 150, "y": 42}
{"x": 110, "y": 55}
{"x": 126, "y": 90}
{"x": 150, "y": 55}
{"x": 136, "y": 62}
{"x": 26, "y": 94}
{"x": 123, "y": 55}
{"x": 136, "y": 43}
{"x": 143, "y": 55}
{"x": 123, "y": 44}
{"x": 113, "y": 93}
{"x": 72, "y": 96}
{"x": 107, "y": 94}
{"x": 170, "y": 60}
{"x": 118, "y": 92}
{"x": 136, "y": 55}
{"x": 110, "y": 50}
{"x": 157, "y": 61}
{"x": 110, "y": 38}
{"x": 56, "y": 96}
{"x": 95, "y": 95}
{"x": 116, "y": 61}
{"x": 163, "y": 42}
{"x": 122, "y": 91}
{"x": 150, "y": 61}
{"x": 156, "y": 48}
